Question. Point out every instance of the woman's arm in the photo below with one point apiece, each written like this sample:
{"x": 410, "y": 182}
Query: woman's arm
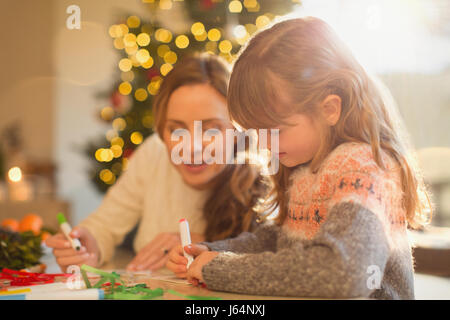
{"x": 122, "y": 205}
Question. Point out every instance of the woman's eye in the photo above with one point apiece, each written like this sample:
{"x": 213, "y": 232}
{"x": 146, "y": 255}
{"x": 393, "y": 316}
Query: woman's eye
{"x": 172, "y": 129}
{"x": 212, "y": 130}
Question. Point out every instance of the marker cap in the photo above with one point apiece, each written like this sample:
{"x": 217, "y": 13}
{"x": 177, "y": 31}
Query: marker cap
{"x": 61, "y": 218}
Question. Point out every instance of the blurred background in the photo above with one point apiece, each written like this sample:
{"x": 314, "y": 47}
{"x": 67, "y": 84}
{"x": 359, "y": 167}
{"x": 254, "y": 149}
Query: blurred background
{"x": 78, "y": 78}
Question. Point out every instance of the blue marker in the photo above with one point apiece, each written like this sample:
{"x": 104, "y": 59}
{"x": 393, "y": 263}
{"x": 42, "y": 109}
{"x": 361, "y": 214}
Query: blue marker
{"x": 88, "y": 294}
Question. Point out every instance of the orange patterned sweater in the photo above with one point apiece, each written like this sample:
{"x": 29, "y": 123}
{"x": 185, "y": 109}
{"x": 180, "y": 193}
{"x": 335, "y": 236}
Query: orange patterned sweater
{"x": 344, "y": 236}
{"x": 349, "y": 173}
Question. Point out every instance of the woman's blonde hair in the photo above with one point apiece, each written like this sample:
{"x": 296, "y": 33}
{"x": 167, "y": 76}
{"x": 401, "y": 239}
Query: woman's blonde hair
{"x": 305, "y": 59}
{"x": 228, "y": 210}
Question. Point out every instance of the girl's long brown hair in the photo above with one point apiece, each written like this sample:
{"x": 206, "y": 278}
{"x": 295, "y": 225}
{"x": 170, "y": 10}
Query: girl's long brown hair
{"x": 229, "y": 209}
{"x": 305, "y": 59}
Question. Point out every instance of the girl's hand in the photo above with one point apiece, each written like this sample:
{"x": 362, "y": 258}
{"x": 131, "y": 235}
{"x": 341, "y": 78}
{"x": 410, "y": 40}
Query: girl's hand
{"x": 66, "y": 256}
{"x": 177, "y": 262}
{"x": 194, "y": 273}
{"x": 155, "y": 254}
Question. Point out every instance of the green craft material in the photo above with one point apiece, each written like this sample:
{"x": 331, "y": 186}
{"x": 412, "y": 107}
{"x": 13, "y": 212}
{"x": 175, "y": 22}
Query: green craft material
{"x": 192, "y": 297}
{"x": 136, "y": 292}
{"x": 120, "y": 292}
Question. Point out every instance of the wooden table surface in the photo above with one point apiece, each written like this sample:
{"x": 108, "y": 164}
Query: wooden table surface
{"x": 425, "y": 286}
{"x": 122, "y": 257}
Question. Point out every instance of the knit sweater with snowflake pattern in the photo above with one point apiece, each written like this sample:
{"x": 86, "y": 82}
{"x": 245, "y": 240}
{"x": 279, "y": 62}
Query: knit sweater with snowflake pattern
{"x": 344, "y": 236}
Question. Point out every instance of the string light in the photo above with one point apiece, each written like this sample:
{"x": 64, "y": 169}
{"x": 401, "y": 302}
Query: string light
{"x": 129, "y": 40}
{"x": 170, "y": 57}
{"x": 111, "y": 134}
{"x": 163, "y": 35}
{"x": 142, "y": 55}
{"x": 132, "y": 50}
{"x": 116, "y": 150}
{"x": 125, "y": 88}
{"x": 133, "y": 22}
{"x": 197, "y": 29}
{"x": 107, "y": 176}
{"x": 117, "y": 141}
{"x": 250, "y": 4}
{"x": 149, "y": 63}
{"x": 115, "y": 31}
{"x": 235, "y": 6}
{"x": 239, "y": 31}
{"x": 165, "y": 4}
{"x": 153, "y": 86}
{"x": 15, "y": 174}
{"x": 253, "y": 5}
{"x": 201, "y": 37}
{"x": 125, "y": 64}
{"x": 166, "y": 68}
{"x": 251, "y": 28}
{"x": 134, "y": 60}
{"x": 214, "y": 34}
{"x": 119, "y": 124}
{"x": 136, "y": 137}
{"x": 141, "y": 94}
{"x": 107, "y": 113}
{"x": 104, "y": 155}
{"x": 118, "y": 43}
{"x": 123, "y": 29}
{"x": 262, "y": 21}
{"x": 225, "y": 46}
{"x": 182, "y": 41}
{"x": 143, "y": 39}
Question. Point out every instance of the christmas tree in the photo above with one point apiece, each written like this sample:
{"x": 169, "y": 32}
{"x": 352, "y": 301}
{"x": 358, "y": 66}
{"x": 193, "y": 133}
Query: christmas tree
{"x": 148, "y": 53}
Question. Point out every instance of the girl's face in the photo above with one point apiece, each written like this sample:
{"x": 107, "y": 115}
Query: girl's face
{"x": 189, "y": 103}
{"x": 298, "y": 143}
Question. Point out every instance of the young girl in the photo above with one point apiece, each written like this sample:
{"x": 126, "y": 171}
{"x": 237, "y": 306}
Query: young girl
{"x": 346, "y": 190}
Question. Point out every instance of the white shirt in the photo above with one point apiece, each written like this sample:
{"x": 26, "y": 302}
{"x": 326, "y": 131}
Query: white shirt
{"x": 150, "y": 191}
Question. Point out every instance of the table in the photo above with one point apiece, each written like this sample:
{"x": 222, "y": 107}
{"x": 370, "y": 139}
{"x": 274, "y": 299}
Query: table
{"x": 122, "y": 257}
{"x": 426, "y": 286}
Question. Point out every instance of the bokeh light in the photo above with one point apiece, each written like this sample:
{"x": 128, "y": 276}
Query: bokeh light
{"x": 182, "y": 41}
{"x": 143, "y": 39}
{"x": 136, "y": 137}
{"x": 235, "y": 6}
{"x": 15, "y": 174}
{"x": 125, "y": 88}
{"x": 141, "y": 94}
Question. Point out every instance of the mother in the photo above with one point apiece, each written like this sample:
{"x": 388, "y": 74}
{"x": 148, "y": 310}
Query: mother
{"x": 216, "y": 199}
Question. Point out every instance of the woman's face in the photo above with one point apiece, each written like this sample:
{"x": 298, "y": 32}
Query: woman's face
{"x": 189, "y": 103}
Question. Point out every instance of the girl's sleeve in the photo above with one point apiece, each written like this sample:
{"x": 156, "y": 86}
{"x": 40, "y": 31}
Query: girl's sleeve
{"x": 335, "y": 264}
{"x": 122, "y": 205}
{"x": 264, "y": 238}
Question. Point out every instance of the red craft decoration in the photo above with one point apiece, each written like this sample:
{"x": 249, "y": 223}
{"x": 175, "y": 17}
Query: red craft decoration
{"x": 22, "y": 278}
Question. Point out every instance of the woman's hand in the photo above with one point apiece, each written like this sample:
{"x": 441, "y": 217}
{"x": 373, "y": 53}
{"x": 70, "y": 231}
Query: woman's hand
{"x": 194, "y": 273}
{"x": 155, "y": 254}
{"x": 66, "y": 256}
{"x": 177, "y": 262}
